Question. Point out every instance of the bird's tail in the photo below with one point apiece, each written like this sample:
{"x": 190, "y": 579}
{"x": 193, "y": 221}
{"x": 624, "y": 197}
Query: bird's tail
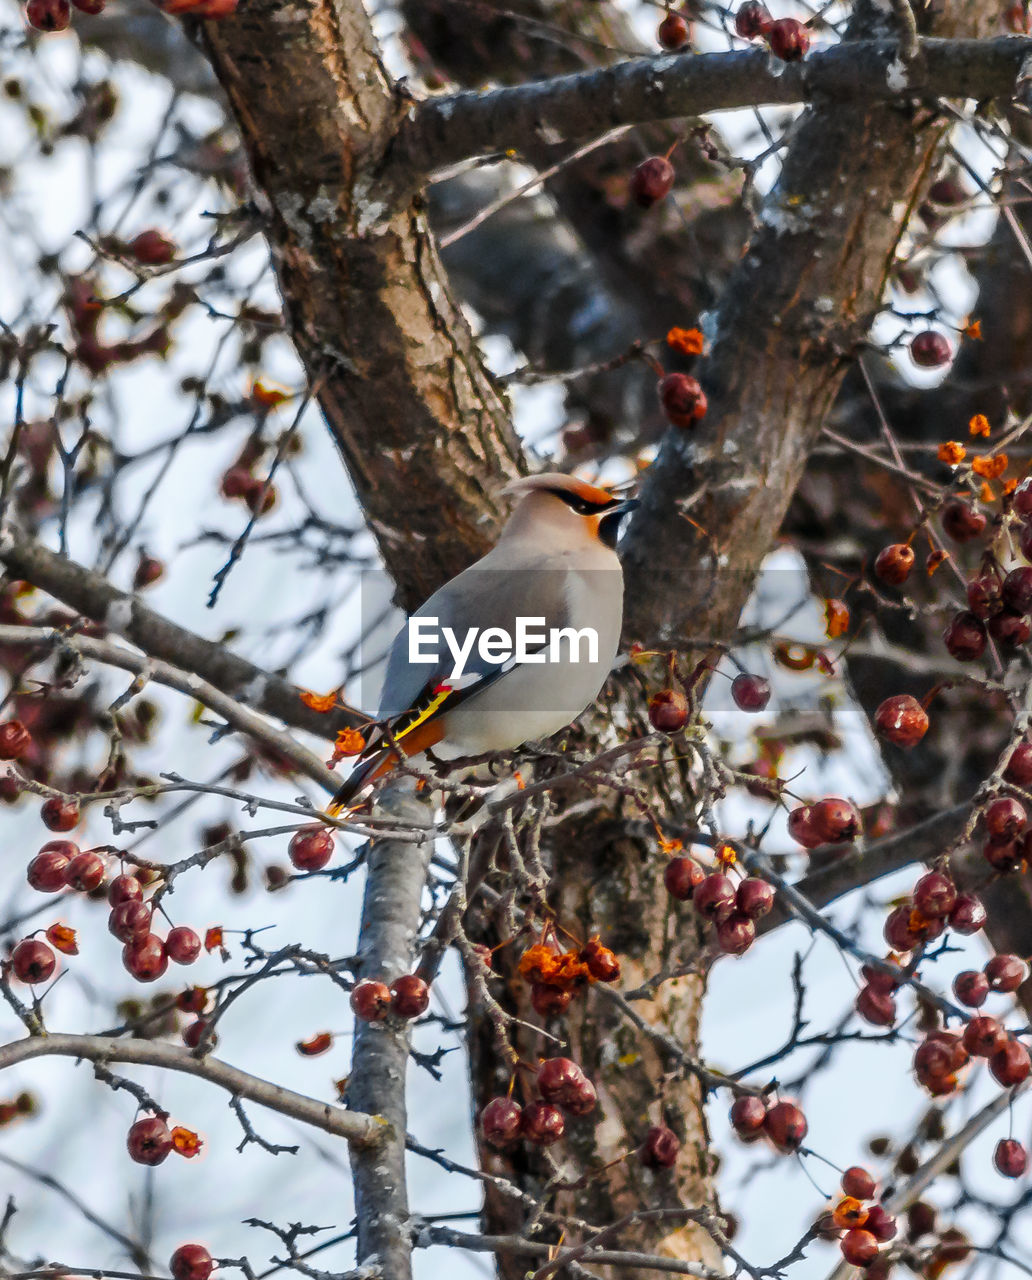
{"x": 366, "y": 772}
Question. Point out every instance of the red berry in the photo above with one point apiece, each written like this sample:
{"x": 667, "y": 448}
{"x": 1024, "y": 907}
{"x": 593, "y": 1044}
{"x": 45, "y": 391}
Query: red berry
{"x": 968, "y": 916}
{"x": 921, "y": 1218}
{"x": 660, "y": 1148}
{"x": 148, "y": 569}
{"x": 789, "y": 40}
{"x": 714, "y": 897}
{"x": 124, "y": 889}
{"x": 500, "y": 1122}
{"x": 1005, "y": 972}
{"x": 191, "y": 1262}
{"x": 59, "y": 814}
{"x": 786, "y": 1126}
{"x": 898, "y": 932}
{"x": 237, "y": 482}
{"x": 129, "y": 921}
{"x": 878, "y": 979}
{"x": 1017, "y": 589}
{"x": 145, "y": 958}
{"x": 1003, "y": 855}
{"x": 930, "y": 349}
{"x": 370, "y": 1000}
{"x": 1010, "y": 1158}
{"x": 311, "y": 848}
{"x": 651, "y": 181}
{"x": 560, "y": 1079}
{"x": 149, "y": 1140}
{"x": 1009, "y": 1063}
{"x": 982, "y": 1035}
{"x": 935, "y": 895}
{"x": 752, "y": 19}
{"x": 1025, "y": 541}
{"x": 46, "y": 871}
{"x": 410, "y": 996}
{"x": 736, "y": 934}
{"x": 901, "y": 720}
{"x": 183, "y": 944}
{"x": 859, "y": 1247}
{"x": 1021, "y": 498}
{"x": 33, "y": 961}
{"x": 880, "y": 1223}
{"x": 894, "y": 562}
{"x": 971, "y": 988}
{"x": 542, "y": 1124}
{"x": 48, "y": 15}
{"x": 549, "y": 1001}
{"x": 681, "y": 877}
{"x": 673, "y": 32}
{"x": 194, "y": 1033}
{"x": 800, "y": 827}
{"x": 683, "y": 399}
{"x": 583, "y": 1101}
{"x": 961, "y": 522}
{"x": 965, "y": 637}
{"x": 15, "y": 740}
{"x": 747, "y": 1115}
{"x": 876, "y": 1007}
{"x": 985, "y": 595}
{"x": 151, "y": 248}
{"x": 85, "y": 872}
{"x": 668, "y": 711}
{"x": 1005, "y": 818}
{"x": 1010, "y": 629}
{"x": 754, "y": 898}
{"x": 856, "y": 1181}
{"x": 750, "y": 693}
{"x": 1019, "y": 766}
{"x": 602, "y": 963}
{"x": 834, "y": 820}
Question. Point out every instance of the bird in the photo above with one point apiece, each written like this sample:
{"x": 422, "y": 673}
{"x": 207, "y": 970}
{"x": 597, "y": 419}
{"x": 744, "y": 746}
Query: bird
{"x": 554, "y": 564}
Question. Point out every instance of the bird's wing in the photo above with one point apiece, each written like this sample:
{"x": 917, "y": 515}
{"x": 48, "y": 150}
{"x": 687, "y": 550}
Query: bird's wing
{"x": 492, "y": 593}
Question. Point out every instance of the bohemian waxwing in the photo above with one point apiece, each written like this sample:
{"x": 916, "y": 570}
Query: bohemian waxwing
{"x": 555, "y": 565}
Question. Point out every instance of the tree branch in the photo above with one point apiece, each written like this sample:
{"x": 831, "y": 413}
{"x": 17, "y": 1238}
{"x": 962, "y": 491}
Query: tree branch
{"x": 362, "y": 1131}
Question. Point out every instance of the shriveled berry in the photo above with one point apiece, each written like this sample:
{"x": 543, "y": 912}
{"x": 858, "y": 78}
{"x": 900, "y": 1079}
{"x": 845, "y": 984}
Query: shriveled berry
{"x": 1009, "y": 1063}
{"x": 1005, "y": 972}
{"x": 1019, "y": 766}
{"x": 789, "y": 39}
{"x": 683, "y": 399}
{"x": 736, "y": 934}
{"x": 876, "y": 1007}
{"x": 660, "y": 1148}
{"x": 149, "y": 1140}
{"x": 752, "y": 19}
{"x": 668, "y": 710}
{"x": 747, "y": 1115}
{"x": 542, "y": 1124}
{"x": 750, "y": 693}
{"x": 124, "y": 889}
{"x": 559, "y": 1079}
{"x": 894, "y": 563}
{"x": 549, "y": 1001}
{"x": 901, "y": 720}
{"x": 754, "y": 898}
{"x": 673, "y": 32}
{"x": 935, "y": 894}
{"x": 881, "y": 1224}
{"x": 982, "y": 1035}
{"x": 651, "y": 181}
{"x": 878, "y": 979}
{"x": 1021, "y": 498}
{"x": 681, "y": 876}
{"x": 85, "y": 872}
{"x": 1003, "y": 854}
{"x": 145, "y": 958}
{"x": 968, "y": 916}
{"x": 410, "y": 996}
{"x": 965, "y": 637}
{"x": 1010, "y": 629}
{"x": 183, "y": 944}
{"x": 714, "y": 897}
{"x": 370, "y": 1000}
{"x": 786, "y": 1126}
{"x": 32, "y": 961}
{"x": 930, "y": 349}
{"x": 311, "y": 848}
{"x": 59, "y": 814}
{"x": 856, "y": 1181}
{"x": 500, "y": 1122}
{"x": 1010, "y": 1158}
{"x": 985, "y": 595}
{"x": 898, "y": 933}
{"x": 834, "y": 820}
{"x": 602, "y": 964}
{"x": 971, "y": 988}
{"x": 961, "y": 522}
{"x": 1017, "y": 590}
{"x": 15, "y": 740}
{"x": 129, "y": 921}
{"x": 191, "y": 1262}
{"x": 48, "y": 15}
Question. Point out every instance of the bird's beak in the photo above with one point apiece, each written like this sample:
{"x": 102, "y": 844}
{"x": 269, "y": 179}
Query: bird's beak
{"x": 628, "y": 504}
{"x": 609, "y": 522}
